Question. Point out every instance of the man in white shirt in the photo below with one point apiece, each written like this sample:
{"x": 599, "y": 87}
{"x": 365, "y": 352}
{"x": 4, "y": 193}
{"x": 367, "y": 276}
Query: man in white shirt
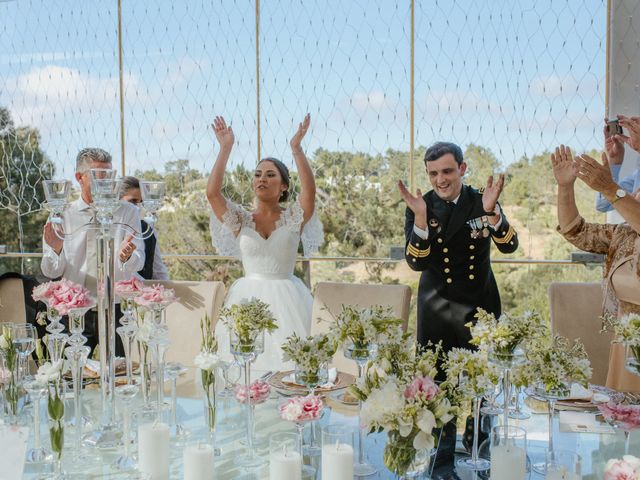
{"x": 74, "y": 258}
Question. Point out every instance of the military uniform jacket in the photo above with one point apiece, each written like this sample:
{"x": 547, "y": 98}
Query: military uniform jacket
{"x": 456, "y": 270}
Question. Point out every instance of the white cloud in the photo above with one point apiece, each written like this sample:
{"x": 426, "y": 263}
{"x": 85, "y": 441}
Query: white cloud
{"x": 554, "y": 86}
{"x": 458, "y": 101}
{"x": 375, "y": 100}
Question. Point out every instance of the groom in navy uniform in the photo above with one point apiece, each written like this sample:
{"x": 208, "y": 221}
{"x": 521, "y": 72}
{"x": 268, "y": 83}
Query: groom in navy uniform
{"x": 449, "y": 232}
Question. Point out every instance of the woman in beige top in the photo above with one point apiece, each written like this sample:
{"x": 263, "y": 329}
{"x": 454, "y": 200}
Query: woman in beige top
{"x": 619, "y": 242}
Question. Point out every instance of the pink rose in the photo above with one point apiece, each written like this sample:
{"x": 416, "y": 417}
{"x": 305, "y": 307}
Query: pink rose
{"x": 424, "y": 387}
{"x": 64, "y": 295}
{"x": 155, "y": 296}
{"x": 258, "y": 392}
{"x": 301, "y": 409}
{"x": 129, "y": 288}
{"x": 626, "y": 417}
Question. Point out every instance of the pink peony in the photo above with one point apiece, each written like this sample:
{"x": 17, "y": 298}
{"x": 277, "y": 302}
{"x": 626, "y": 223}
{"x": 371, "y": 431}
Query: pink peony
{"x": 42, "y": 292}
{"x": 155, "y": 296}
{"x": 424, "y": 387}
{"x": 626, "y": 417}
{"x": 627, "y": 468}
{"x": 129, "y": 288}
{"x": 258, "y": 391}
{"x": 301, "y": 409}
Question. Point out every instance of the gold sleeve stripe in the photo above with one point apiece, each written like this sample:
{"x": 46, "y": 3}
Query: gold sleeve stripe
{"x": 413, "y": 251}
{"x": 507, "y": 238}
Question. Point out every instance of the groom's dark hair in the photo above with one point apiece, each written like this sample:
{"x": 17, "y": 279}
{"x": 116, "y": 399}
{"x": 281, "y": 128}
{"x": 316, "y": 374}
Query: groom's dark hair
{"x": 438, "y": 149}
{"x": 284, "y": 173}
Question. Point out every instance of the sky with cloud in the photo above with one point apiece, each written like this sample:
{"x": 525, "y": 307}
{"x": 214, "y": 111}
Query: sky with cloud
{"x": 517, "y": 76}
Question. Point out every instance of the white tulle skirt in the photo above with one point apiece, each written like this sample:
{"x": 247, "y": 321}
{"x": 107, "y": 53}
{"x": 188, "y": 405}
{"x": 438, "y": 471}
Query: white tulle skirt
{"x": 290, "y": 302}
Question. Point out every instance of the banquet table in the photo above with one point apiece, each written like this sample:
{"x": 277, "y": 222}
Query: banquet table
{"x": 595, "y": 449}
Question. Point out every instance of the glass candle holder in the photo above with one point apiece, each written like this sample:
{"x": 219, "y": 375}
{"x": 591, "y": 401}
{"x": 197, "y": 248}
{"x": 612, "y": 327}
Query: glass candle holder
{"x": 563, "y": 465}
{"x": 285, "y": 456}
{"x": 337, "y": 452}
{"x": 508, "y": 453}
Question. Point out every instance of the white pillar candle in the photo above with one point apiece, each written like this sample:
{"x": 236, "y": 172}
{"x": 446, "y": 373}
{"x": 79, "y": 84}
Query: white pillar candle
{"x": 198, "y": 462}
{"x": 286, "y": 465}
{"x": 562, "y": 474}
{"x": 508, "y": 462}
{"x": 337, "y": 462}
{"x": 153, "y": 450}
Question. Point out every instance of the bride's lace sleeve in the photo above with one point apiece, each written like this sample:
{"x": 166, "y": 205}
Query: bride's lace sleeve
{"x": 224, "y": 234}
{"x": 312, "y": 235}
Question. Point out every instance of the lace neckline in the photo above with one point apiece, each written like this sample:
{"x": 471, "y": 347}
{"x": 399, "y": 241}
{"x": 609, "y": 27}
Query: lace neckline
{"x": 279, "y": 223}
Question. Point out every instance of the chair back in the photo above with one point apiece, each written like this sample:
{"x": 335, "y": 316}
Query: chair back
{"x": 575, "y": 313}
{"x": 12, "y": 306}
{"x": 330, "y": 296}
{"x": 195, "y": 299}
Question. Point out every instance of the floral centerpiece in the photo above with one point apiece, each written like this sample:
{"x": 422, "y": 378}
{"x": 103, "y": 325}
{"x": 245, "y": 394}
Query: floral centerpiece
{"x": 402, "y": 399}
{"x": 155, "y": 297}
{"x": 258, "y": 393}
{"x": 626, "y": 328}
{"x": 554, "y": 363}
{"x": 502, "y": 336}
{"x": 207, "y": 361}
{"x": 301, "y": 409}
{"x": 63, "y": 296}
{"x": 10, "y": 356}
{"x": 625, "y": 468}
{"x": 361, "y": 328}
{"x": 129, "y": 288}
{"x": 310, "y": 355}
{"x": 246, "y": 321}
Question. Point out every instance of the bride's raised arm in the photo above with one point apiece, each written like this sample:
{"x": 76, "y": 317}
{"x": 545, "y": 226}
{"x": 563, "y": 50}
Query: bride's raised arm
{"x": 225, "y": 137}
{"x": 307, "y": 196}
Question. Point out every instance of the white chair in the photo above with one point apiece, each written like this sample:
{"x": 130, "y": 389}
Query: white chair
{"x": 575, "y": 313}
{"x": 12, "y": 306}
{"x": 330, "y": 296}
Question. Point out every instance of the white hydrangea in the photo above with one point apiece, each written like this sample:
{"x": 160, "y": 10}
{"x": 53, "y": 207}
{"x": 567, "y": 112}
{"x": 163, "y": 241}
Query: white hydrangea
{"x": 207, "y": 361}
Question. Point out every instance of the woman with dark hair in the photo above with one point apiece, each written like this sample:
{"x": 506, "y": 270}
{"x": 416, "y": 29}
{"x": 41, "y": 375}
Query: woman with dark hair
{"x": 266, "y": 239}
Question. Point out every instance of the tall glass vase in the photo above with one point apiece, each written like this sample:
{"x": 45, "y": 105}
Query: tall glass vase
{"x": 159, "y": 342}
{"x": 475, "y": 462}
{"x": 312, "y": 379}
{"x": 246, "y": 350}
{"x": 361, "y": 353}
{"x": 551, "y": 396}
{"x": 506, "y": 360}
{"x": 208, "y": 385}
{"x": 37, "y": 453}
{"x": 55, "y": 409}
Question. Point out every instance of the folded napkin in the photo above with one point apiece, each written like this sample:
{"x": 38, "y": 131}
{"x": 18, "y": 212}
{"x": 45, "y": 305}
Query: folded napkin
{"x": 581, "y": 422}
{"x": 94, "y": 365}
{"x": 579, "y": 393}
{"x": 332, "y": 376}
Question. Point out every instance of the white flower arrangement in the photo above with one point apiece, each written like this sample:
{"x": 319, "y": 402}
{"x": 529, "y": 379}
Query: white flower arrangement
{"x": 247, "y": 319}
{"x": 365, "y": 326}
{"x": 400, "y": 397}
{"x": 627, "y": 327}
{"x": 555, "y": 363}
{"x": 469, "y": 373}
{"x": 504, "y": 334}
{"x": 310, "y": 353}
{"x": 49, "y": 372}
{"x": 208, "y": 362}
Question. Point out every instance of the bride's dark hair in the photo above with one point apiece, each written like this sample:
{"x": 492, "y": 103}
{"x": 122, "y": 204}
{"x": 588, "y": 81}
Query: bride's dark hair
{"x": 284, "y": 173}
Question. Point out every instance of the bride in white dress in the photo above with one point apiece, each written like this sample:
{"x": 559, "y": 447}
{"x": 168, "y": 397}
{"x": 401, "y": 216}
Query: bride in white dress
{"x": 266, "y": 240}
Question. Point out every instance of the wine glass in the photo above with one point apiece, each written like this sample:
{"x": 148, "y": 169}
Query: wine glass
{"x": 24, "y": 338}
{"x": 173, "y": 370}
{"x": 551, "y": 395}
{"x": 38, "y": 453}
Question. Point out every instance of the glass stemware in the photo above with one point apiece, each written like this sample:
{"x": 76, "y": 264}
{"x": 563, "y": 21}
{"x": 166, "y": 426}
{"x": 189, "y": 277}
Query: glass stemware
{"x": 24, "y": 338}
{"x": 506, "y": 361}
{"x": 475, "y": 462}
{"x": 312, "y": 380}
{"x": 127, "y": 330}
{"x": 551, "y": 396}
{"x": 56, "y": 193}
{"x": 632, "y": 363}
{"x": 361, "y": 354}
{"x": 246, "y": 351}
{"x": 37, "y": 453}
{"x": 173, "y": 370}
{"x": 126, "y": 394}
{"x": 231, "y": 373}
{"x": 517, "y": 413}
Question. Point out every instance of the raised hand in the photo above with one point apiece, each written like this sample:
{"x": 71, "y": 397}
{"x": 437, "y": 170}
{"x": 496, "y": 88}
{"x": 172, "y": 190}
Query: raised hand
{"x": 492, "y": 192}
{"x": 632, "y": 124}
{"x": 224, "y": 134}
{"x": 596, "y": 175}
{"x": 127, "y": 247}
{"x": 51, "y": 238}
{"x": 614, "y": 147}
{"x": 563, "y": 167}
{"x": 296, "y": 140}
{"x": 415, "y": 203}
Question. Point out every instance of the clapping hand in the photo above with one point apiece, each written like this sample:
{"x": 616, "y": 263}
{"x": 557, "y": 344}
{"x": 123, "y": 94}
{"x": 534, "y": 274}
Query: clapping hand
{"x": 51, "y": 237}
{"x": 492, "y": 192}
{"x": 127, "y": 247}
{"x": 224, "y": 134}
{"x": 296, "y": 140}
{"x": 415, "y": 203}
{"x": 596, "y": 175}
{"x": 563, "y": 167}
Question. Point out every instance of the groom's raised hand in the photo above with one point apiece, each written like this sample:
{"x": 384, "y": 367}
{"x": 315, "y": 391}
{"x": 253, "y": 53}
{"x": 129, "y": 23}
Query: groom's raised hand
{"x": 417, "y": 205}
